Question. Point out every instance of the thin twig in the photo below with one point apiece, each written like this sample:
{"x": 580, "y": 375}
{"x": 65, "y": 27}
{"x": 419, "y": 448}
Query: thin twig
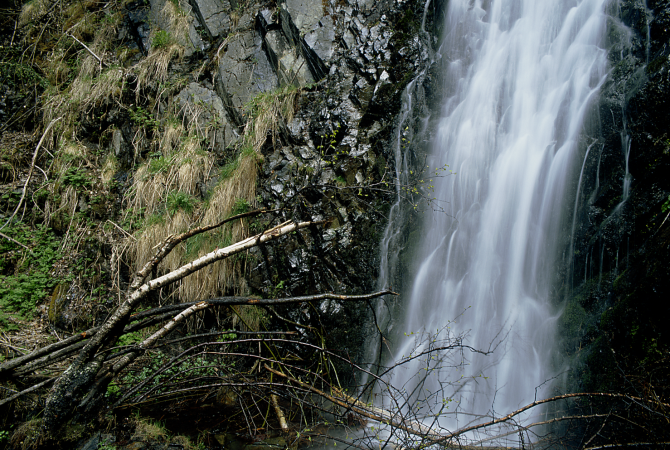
{"x": 122, "y": 230}
{"x": 102, "y": 64}
{"x": 27, "y": 391}
{"x": 16, "y": 242}
{"x": 30, "y": 172}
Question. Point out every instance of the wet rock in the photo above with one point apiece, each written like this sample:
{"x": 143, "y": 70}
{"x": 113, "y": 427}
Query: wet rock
{"x": 138, "y": 24}
{"x": 306, "y": 14}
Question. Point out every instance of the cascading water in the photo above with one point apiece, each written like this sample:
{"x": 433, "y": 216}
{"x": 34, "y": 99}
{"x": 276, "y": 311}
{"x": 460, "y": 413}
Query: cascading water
{"x": 521, "y": 77}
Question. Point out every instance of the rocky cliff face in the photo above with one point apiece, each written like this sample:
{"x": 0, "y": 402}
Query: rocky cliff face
{"x": 171, "y": 114}
{"x": 615, "y": 321}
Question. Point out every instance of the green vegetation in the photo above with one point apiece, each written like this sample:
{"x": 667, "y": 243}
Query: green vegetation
{"x": 144, "y": 118}
{"x": 229, "y": 169}
{"x": 240, "y": 207}
{"x": 15, "y": 72}
{"x": 180, "y": 201}
{"x": 25, "y": 275}
{"x": 161, "y": 39}
{"x": 194, "y": 366}
{"x": 157, "y": 165}
{"x": 76, "y": 177}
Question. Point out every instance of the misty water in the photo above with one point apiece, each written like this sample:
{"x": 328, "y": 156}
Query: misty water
{"x": 522, "y": 76}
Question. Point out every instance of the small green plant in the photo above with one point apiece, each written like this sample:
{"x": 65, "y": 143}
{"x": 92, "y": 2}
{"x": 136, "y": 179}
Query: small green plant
{"x": 144, "y": 118}
{"x": 180, "y": 201}
{"x": 240, "y": 207}
{"x": 76, "y": 177}
{"x": 16, "y": 73}
{"x": 113, "y": 390}
{"x": 666, "y": 205}
{"x": 4, "y": 435}
{"x": 27, "y": 277}
{"x": 159, "y": 164}
{"x": 161, "y": 39}
{"x": 229, "y": 169}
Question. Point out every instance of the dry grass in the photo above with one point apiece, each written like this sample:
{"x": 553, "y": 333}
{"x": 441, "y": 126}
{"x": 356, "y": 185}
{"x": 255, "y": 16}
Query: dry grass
{"x": 179, "y": 170}
{"x": 33, "y": 10}
{"x": 171, "y": 138}
{"x": 149, "y": 431}
{"x": 178, "y": 18}
{"x": 109, "y": 168}
{"x": 69, "y": 154}
{"x": 108, "y": 85}
{"x": 27, "y": 435}
{"x": 91, "y": 87}
{"x": 155, "y": 233}
{"x": 269, "y": 111}
{"x": 154, "y": 68}
{"x": 57, "y": 71}
{"x": 227, "y": 274}
{"x": 240, "y": 184}
{"x": 249, "y": 317}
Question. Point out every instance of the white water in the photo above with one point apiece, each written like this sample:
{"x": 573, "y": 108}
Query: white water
{"x": 521, "y": 76}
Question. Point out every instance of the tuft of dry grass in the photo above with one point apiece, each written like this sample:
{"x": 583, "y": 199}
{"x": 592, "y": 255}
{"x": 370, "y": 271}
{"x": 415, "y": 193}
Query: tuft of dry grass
{"x": 149, "y": 431}
{"x": 33, "y": 10}
{"x": 179, "y": 170}
{"x": 108, "y": 85}
{"x": 155, "y": 233}
{"x": 27, "y": 435}
{"x": 269, "y": 111}
{"x": 109, "y": 168}
{"x": 154, "y": 68}
{"x": 177, "y": 17}
{"x": 91, "y": 87}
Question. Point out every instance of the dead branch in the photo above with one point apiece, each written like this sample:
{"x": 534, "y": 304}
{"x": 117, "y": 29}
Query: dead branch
{"x": 30, "y": 172}
{"x": 172, "y": 241}
{"x": 151, "y": 340}
{"x": 280, "y": 414}
{"x": 102, "y": 64}
{"x": 540, "y": 402}
{"x": 358, "y": 407}
{"x": 631, "y": 444}
{"x": 27, "y": 391}
{"x": 16, "y": 362}
{"x": 16, "y": 242}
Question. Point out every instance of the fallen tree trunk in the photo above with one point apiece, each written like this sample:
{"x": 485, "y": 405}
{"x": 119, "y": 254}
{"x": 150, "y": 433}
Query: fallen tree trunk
{"x": 81, "y": 377}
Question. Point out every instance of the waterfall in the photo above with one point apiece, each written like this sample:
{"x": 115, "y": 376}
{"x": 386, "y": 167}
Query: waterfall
{"x": 521, "y": 76}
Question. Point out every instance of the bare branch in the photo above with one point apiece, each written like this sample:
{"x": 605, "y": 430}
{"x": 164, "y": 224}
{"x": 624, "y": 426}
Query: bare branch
{"x": 102, "y": 64}
{"x": 30, "y": 172}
